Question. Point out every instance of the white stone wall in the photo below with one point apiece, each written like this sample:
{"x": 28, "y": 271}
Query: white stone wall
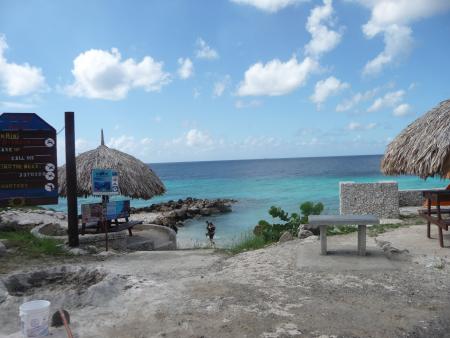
{"x": 380, "y": 199}
{"x": 410, "y": 198}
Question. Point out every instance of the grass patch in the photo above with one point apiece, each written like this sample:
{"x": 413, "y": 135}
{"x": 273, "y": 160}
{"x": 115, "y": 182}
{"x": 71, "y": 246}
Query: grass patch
{"x": 28, "y": 245}
{"x": 247, "y": 242}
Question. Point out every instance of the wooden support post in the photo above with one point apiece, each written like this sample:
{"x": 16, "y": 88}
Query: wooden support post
{"x": 441, "y": 236}
{"x": 71, "y": 178}
{"x": 323, "y": 239}
{"x": 105, "y": 200}
{"x": 429, "y": 214}
{"x": 361, "y": 240}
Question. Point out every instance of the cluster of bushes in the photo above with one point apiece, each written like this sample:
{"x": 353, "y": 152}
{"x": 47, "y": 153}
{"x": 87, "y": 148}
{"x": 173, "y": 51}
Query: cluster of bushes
{"x": 269, "y": 232}
{"x": 283, "y": 221}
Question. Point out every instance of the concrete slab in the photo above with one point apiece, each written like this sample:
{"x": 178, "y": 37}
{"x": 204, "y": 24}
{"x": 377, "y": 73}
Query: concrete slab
{"x": 337, "y": 220}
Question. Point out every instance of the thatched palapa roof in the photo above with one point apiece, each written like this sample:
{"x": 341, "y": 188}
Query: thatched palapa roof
{"x": 422, "y": 148}
{"x": 136, "y": 179}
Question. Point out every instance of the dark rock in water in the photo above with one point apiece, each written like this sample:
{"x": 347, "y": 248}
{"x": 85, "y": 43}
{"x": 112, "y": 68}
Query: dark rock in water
{"x": 57, "y": 321}
{"x": 314, "y": 230}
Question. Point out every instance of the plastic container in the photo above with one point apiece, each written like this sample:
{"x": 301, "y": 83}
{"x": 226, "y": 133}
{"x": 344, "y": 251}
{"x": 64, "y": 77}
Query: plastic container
{"x": 34, "y": 318}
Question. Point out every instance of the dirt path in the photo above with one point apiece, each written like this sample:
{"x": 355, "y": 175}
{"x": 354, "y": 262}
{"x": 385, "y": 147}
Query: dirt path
{"x": 287, "y": 290}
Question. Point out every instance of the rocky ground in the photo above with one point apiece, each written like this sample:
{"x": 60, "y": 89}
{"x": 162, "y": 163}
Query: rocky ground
{"x": 400, "y": 289}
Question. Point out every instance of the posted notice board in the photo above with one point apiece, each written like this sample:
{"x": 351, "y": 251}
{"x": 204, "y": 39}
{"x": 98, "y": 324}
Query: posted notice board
{"x": 28, "y": 161}
{"x": 105, "y": 182}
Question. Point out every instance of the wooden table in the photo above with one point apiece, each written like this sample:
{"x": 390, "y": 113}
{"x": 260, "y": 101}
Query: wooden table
{"x": 435, "y": 214}
{"x": 324, "y": 221}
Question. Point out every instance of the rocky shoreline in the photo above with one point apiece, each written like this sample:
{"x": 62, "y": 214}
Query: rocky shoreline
{"x": 171, "y": 214}
{"x": 174, "y": 213}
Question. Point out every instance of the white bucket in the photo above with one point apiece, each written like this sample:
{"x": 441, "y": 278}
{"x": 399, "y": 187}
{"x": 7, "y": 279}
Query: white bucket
{"x": 34, "y": 317}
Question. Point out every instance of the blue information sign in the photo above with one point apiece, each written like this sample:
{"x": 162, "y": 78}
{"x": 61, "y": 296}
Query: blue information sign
{"x": 28, "y": 163}
{"x": 105, "y": 182}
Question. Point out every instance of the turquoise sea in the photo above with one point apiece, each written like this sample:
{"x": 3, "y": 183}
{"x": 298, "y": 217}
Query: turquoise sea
{"x": 259, "y": 184}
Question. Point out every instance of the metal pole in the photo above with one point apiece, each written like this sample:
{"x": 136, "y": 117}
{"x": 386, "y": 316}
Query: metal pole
{"x": 105, "y": 200}
{"x": 71, "y": 177}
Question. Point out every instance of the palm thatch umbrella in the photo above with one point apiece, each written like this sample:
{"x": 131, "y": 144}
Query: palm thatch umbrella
{"x": 136, "y": 179}
{"x": 423, "y": 148}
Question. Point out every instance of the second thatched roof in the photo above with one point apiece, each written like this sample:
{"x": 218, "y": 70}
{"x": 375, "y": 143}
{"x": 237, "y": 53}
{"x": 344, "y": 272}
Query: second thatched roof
{"x": 423, "y": 148}
{"x": 136, "y": 179}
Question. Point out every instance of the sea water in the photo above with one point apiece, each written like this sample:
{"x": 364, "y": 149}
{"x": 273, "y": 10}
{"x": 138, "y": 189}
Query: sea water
{"x": 259, "y": 184}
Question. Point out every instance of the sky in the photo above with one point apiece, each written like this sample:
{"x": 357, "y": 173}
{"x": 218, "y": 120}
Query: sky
{"x": 186, "y": 80}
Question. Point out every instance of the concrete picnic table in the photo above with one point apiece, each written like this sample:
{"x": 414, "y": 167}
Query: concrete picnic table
{"x": 323, "y": 221}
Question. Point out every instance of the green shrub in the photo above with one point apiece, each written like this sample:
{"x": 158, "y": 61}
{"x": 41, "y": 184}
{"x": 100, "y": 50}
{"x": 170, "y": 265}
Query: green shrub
{"x": 271, "y": 232}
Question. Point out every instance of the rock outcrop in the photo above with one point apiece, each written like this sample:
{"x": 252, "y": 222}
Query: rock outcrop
{"x": 174, "y": 213}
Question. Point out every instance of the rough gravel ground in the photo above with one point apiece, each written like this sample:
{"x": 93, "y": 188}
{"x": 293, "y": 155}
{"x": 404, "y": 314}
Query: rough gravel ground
{"x": 286, "y": 290}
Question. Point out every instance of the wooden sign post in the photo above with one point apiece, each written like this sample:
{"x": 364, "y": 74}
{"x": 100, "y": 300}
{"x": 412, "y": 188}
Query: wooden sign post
{"x": 71, "y": 178}
{"x": 28, "y": 163}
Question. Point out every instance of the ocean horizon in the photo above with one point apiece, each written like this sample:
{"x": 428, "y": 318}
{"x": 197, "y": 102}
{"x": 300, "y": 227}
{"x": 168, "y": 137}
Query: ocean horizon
{"x": 259, "y": 184}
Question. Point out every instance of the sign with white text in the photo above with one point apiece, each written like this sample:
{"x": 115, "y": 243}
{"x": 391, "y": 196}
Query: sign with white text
{"x": 28, "y": 163}
{"x": 105, "y": 182}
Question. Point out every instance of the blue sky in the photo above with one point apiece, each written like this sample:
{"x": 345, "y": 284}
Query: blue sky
{"x": 226, "y": 79}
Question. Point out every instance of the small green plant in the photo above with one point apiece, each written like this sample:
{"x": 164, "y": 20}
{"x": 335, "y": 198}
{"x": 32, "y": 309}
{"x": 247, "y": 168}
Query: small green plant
{"x": 248, "y": 241}
{"x": 28, "y": 245}
{"x": 271, "y": 232}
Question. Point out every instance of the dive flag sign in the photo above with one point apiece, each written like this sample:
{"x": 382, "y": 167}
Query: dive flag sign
{"x": 105, "y": 182}
{"x": 28, "y": 162}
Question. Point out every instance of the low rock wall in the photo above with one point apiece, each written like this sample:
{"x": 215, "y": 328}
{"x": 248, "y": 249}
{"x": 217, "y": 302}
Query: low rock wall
{"x": 380, "y": 199}
{"x": 116, "y": 240}
{"x": 410, "y": 198}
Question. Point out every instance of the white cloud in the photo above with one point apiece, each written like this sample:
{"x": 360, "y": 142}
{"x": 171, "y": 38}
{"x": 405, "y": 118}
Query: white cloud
{"x": 141, "y": 148}
{"x": 240, "y": 104}
{"x": 323, "y": 39}
{"x": 276, "y": 78}
{"x": 402, "y": 110}
{"x": 270, "y": 6}
{"x": 204, "y": 51}
{"x": 186, "y": 69}
{"x": 220, "y": 86}
{"x": 197, "y": 138}
{"x": 18, "y": 79}
{"x": 392, "y": 18}
{"x": 398, "y": 41}
{"x": 358, "y": 126}
{"x": 325, "y": 88}
{"x": 388, "y": 100}
{"x": 355, "y": 100}
{"x": 102, "y": 74}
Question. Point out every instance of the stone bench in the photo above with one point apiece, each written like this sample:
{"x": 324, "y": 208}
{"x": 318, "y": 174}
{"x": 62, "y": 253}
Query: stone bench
{"x": 324, "y": 221}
